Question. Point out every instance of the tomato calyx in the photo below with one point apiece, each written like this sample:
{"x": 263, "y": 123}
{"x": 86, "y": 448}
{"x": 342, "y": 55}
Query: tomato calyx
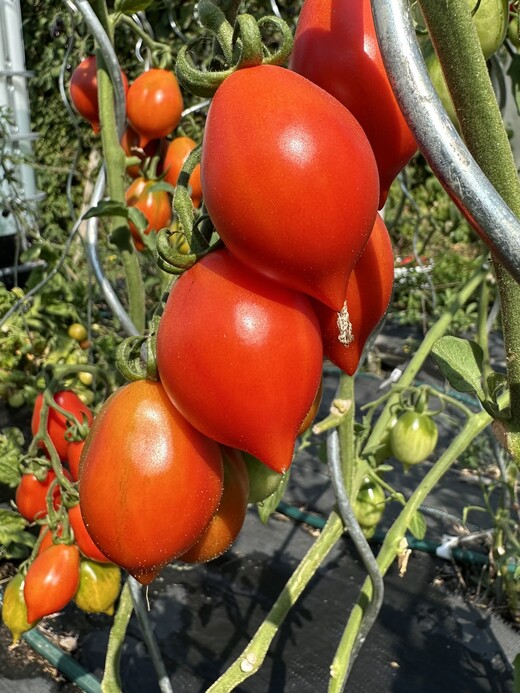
{"x": 240, "y": 47}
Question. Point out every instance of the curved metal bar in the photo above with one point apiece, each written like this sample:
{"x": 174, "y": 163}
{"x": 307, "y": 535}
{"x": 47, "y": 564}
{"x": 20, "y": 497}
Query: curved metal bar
{"x": 111, "y": 61}
{"x": 90, "y": 239}
{"x": 360, "y": 542}
{"x": 438, "y": 139}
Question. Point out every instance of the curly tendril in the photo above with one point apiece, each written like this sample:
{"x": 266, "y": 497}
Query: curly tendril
{"x": 234, "y": 48}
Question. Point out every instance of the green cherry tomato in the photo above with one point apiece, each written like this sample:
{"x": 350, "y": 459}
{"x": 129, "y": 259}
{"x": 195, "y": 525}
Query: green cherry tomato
{"x": 369, "y": 506}
{"x": 413, "y": 438}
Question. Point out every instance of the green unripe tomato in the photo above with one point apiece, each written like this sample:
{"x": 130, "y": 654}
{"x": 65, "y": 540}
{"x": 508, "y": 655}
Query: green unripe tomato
{"x": 77, "y": 331}
{"x": 14, "y": 610}
{"x": 369, "y": 506}
{"x": 413, "y": 438}
{"x": 99, "y": 586}
{"x": 263, "y": 481}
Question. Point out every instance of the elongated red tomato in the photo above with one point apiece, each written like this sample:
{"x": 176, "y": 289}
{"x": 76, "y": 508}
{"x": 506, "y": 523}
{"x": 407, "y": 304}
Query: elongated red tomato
{"x": 177, "y": 152}
{"x": 154, "y": 104}
{"x": 84, "y": 92}
{"x": 227, "y": 522}
{"x": 154, "y": 204}
{"x": 368, "y": 294}
{"x": 149, "y": 482}
{"x": 289, "y": 180}
{"x": 240, "y": 356}
{"x": 31, "y": 495}
{"x": 336, "y": 47}
{"x": 51, "y": 581}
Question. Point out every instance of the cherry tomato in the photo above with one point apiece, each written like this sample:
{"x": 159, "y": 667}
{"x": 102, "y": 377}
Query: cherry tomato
{"x": 336, "y": 47}
{"x": 155, "y": 205}
{"x": 289, "y": 180}
{"x": 413, "y": 438}
{"x": 14, "y": 609}
{"x": 83, "y": 538}
{"x": 368, "y": 294}
{"x": 263, "y": 481}
{"x": 84, "y": 92}
{"x": 57, "y": 424}
{"x": 369, "y": 506}
{"x": 240, "y": 356}
{"x": 99, "y": 587}
{"x": 130, "y": 144}
{"x": 74, "y": 450}
{"x": 154, "y": 105}
{"x": 229, "y": 518}
{"x": 31, "y": 495}
{"x": 51, "y": 581}
{"x": 149, "y": 482}
{"x": 176, "y": 154}
{"x": 77, "y": 331}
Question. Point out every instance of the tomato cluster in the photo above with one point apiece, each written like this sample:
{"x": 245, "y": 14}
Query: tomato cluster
{"x": 154, "y": 106}
{"x": 291, "y": 179}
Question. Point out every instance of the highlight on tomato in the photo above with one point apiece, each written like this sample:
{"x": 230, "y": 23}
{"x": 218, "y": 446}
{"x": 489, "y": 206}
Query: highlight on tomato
{"x": 240, "y": 356}
{"x": 335, "y": 46}
{"x": 149, "y": 482}
{"x": 289, "y": 180}
{"x": 368, "y": 295}
{"x": 154, "y": 204}
{"x": 83, "y": 91}
{"x": 227, "y": 522}
{"x": 154, "y": 104}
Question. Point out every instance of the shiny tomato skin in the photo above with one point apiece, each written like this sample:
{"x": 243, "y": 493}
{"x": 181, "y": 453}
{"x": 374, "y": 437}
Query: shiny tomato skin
{"x": 57, "y": 423}
{"x": 229, "y": 518}
{"x": 369, "y": 291}
{"x": 336, "y": 47}
{"x": 240, "y": 356}
{"x": 83, "y": 538}
{"x": 84, "y": 92}
{"x": 155, "y": 205}
{"x": 31, "y": 495}
{"x": 289, "y": 180}
{"x": 51, "y": 581}
{"x": 413, "y": 438}
{"x": 177, "y": 152}
{"x": 154, "y": 104}
{"x": 149, "y": 482}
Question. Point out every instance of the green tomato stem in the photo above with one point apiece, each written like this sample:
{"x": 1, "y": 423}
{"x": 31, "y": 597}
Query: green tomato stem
{"x": 395, "y": 542}
{"x": 346, "y": 434}
{"x": 251, "y": 659}
{"x": 456, "y": 43}
{"x": 111, "y": 682}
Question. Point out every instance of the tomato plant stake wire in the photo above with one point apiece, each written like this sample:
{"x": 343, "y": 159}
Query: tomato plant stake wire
{"x": 339, "y": 666}
{"x": 438, "y": 139}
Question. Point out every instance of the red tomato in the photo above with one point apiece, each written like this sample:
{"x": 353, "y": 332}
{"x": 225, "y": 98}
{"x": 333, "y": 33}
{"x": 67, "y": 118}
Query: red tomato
{"x": 176, "y": 154}
{"x": 57, "y": 423}
{"x": 154, "y": 104}
{"x": 130, "y": 144}
{"x": 368, "y": 294}
{"x": 155, "y": 205}
{"x": 336, "y": 47}
{"x": 83, "y": 538}
{"x": 311, "y": 414}
{"x": 31, "y": 496}
{"x": 84, "y": 92}
{"x": 149, "y": 482}
{"x": 74, "y": 450}
{"x": 51, "y": 581}
{"x": 289, "y": 180}
{"x": 240, "y": 356}
{"x": 47, "y": 538}
{"x": 229, "y": 518}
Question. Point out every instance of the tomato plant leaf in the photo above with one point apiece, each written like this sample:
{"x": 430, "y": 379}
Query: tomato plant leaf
{"x": 137, "y": 218}
{"x": 267, "y": 507}
{"x": 417, "y": 525}
{"x": 460, "y": 361}
{"x": 131, "y": 6}
{"x": 162, "y": 185}
{"x": 107, "y": 208}
{"x": 11, "y": 442}
{"x": 15, "y": 542}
